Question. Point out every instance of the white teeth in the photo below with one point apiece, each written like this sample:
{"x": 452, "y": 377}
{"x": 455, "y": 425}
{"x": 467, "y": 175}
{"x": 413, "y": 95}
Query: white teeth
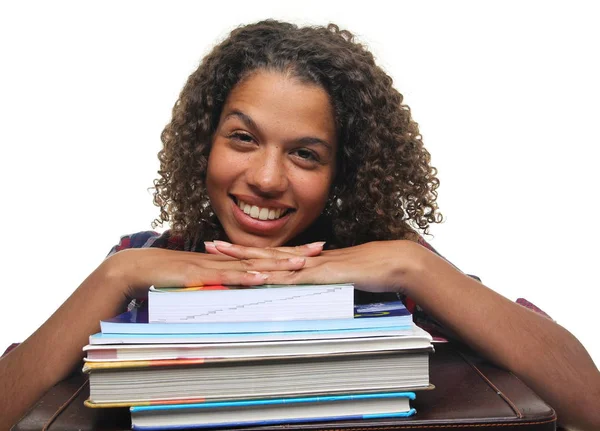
{"x": 261, "y": 213}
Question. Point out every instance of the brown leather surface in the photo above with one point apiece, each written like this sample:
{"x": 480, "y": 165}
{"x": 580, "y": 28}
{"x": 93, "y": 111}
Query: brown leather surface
{"x": 470, "y": 395}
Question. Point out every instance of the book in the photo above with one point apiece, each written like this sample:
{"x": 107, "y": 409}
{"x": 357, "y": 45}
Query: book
{"x": 272, "y": 411}
{"x": 136, "y": 321}
{"x": 250, "y": 303}
{"x": 415, "y": 338}
{"x": 128, "y": 383}
{"x": 246, "y": 337}
{"x": 471, "y": 393}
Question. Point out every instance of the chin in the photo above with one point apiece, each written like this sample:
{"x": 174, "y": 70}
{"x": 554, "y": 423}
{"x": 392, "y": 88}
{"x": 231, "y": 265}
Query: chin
{"x": 249, "y": 240}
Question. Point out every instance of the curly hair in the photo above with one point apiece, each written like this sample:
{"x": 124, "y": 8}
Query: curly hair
{"x": 384, "y": 188}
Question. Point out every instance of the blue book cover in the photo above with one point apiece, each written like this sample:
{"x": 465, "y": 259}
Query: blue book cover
{"x": 141, "y": 338}
{"x": 226, "y": 414}
{"x": 371, "y": 316}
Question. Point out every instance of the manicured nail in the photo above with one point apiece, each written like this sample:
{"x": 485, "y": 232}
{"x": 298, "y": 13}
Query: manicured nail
{"x": 318, "y": 244}
{"x": 258, "y": 274}
{"x": 209, "y": 244}
{"x": 222, "y": 243}
{"x": 295, "y": 260}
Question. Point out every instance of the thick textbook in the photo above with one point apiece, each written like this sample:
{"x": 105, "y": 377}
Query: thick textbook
{"x": 272, "y": 411}
{"x": 413, "y": 338}
{"x": 250, "y": 303}
{"x": 471, "y": 395}
{"x": 391, "y": 314}
{"x": 114, "y": 384}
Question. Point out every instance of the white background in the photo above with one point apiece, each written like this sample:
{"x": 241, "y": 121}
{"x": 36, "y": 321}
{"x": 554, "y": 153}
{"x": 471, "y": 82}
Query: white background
{"x": 506, "y": 95}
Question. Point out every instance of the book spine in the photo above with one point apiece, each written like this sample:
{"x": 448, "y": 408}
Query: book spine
{"x": 279, "y": 421}
{"x": 249, "y": 403}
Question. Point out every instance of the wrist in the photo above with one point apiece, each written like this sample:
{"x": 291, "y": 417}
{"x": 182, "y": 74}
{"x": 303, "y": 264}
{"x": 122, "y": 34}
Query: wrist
{"x": 112, "y": 273}
{"x": 412, "y": 268}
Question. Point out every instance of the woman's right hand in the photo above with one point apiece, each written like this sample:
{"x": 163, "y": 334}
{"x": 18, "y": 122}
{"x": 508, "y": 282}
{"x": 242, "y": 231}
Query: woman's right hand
{"x": 124, "y": 275}
{"x": 223, "y": 248}
{"x": 135, "y": 270}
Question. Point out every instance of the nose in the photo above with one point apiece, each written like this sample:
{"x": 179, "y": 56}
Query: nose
{"x": 266, "y": 173}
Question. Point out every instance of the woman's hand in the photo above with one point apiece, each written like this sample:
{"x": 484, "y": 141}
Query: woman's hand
{"x": 134, "y": 270}
{"x": 220, "y": 248}
{"x": 124, "y": 275}
{"x": 376, "y": 266}
{"x": 544, "y": 355}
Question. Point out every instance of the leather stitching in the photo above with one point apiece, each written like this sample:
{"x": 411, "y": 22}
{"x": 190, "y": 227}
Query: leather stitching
{"x": 501, "y": 394}
{"x": 63, "y": 407}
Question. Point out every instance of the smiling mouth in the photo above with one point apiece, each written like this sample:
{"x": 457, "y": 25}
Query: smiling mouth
{"x": 262, "y": 213}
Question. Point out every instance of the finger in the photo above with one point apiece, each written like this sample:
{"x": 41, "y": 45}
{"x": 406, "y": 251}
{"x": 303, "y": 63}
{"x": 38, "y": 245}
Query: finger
{"x": 226, "y": 278}
{"x": 242, "y": 252}
{"x": 305, "y": 276}
{"x": 261, "y": 265}
{"x": 313, "y": 274}
{"x": 242, "y": 278}
{"x": 208, "y": 257}
{"x": 210, "y": 248}
{"x": 309, "y": 250}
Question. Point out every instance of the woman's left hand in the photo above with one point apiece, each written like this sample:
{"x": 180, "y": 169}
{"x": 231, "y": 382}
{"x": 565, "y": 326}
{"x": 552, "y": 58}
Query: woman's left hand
{"x": 380, "y": 266}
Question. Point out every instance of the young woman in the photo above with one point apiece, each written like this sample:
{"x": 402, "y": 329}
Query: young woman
{"x": 290, "y": 158}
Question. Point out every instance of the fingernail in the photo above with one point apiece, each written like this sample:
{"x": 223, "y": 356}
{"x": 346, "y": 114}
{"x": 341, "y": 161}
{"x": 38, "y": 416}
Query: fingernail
{"x": 258, "y": 274}
{"x": 222, "y": 243}
{"x": 318, "y": 244}
{"x": 209, "y": 244}
{"x": 295, "y": 260}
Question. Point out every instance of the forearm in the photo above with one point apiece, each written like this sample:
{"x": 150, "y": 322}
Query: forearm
{"x": 543, "y": 354}
{"x": 55, "y": 348}
{"x": 51, "y": 352}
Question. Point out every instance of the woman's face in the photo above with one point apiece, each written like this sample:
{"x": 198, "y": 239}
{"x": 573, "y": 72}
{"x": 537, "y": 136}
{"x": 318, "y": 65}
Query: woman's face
{"x": 272, "y": 159}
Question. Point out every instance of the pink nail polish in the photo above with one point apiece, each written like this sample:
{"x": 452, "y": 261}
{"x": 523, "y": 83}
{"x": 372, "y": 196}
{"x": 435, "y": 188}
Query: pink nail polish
{"x": 318, "y": 244}
{"x": 297, "y": 260}
{"x": 258, "y": 274}
{"x": 222, "y": 243}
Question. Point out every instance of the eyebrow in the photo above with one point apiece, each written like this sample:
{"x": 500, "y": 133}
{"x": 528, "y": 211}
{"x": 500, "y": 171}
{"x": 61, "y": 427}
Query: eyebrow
{"x": 250, "y": 123}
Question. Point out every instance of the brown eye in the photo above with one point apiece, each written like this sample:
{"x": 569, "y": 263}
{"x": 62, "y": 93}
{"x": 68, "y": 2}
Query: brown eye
{"x": 242, "y": 137}
{"x": 305, "y": 154}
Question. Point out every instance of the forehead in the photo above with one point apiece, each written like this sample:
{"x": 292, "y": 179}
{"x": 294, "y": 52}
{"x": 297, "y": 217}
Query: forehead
{"x": 277, "y": 99}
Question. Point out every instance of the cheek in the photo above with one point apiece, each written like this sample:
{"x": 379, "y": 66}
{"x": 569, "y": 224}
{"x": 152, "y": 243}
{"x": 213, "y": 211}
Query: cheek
{"x": 221, "y": 168}
{"x": 216, "y": 176}
{"x": 313, "y": 190}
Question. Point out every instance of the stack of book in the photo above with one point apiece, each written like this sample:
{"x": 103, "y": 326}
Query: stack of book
{"x": 221, "y": 357}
